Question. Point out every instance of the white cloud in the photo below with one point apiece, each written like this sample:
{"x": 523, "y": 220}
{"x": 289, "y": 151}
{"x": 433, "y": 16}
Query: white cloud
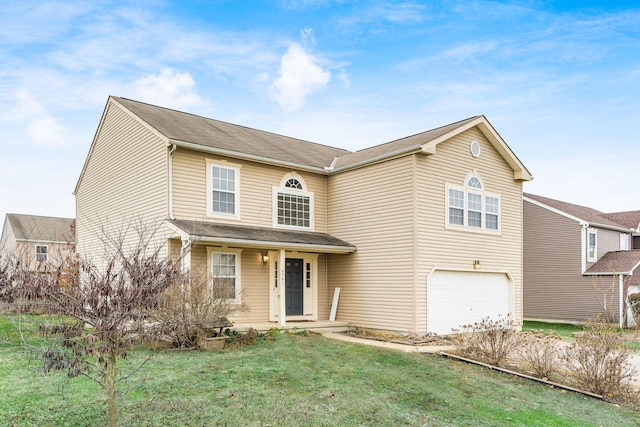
{"x": 299, "y": 77}
{"x": 170, "y": 88}
{"x": 45, "y": 130}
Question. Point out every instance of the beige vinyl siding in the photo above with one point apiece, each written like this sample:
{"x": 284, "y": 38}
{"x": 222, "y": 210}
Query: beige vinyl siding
{"x": 554, "y": 288}
{"x": 256, "y": 189}
{"x": 7, "y": 240}
{"x": 25, "y": 252}
{"x": 446, "y": 248}
{"x": 125, "y": 180}
{"x": 372, "y": 208}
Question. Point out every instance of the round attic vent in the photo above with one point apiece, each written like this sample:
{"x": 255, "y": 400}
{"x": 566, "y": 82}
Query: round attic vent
{"x": 474, "y": 148}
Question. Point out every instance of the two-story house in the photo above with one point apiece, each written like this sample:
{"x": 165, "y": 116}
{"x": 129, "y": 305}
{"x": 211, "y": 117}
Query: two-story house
{"x": 37, "y": 243}
{"x": 422, "y": 234}
{"x": 578, "y": 262}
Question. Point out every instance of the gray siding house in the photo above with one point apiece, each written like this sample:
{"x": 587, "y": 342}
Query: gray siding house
{"x": 578, "y": 262}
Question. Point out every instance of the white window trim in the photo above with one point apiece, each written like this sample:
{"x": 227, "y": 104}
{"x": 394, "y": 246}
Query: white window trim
{"x": 46, "y": 254}
{"x": 284, "y": 190}
{"x": 484, "y": 194}
{"x": 593, "y": 258}
{"x": 209, "y": 198}
{"x": 224, "y": 250}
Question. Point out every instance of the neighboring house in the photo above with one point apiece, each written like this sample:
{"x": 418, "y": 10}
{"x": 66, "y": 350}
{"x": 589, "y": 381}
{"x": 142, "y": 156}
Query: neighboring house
{"x": 38, "y": 243}
{"x": 422, "y": 234}
{"x": 578, "y": 262}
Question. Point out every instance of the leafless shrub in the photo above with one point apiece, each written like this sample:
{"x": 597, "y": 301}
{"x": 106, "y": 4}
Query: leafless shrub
{"x": 491, "y": 341}
{"x": 599, "y": 359}
{"x": 540, "y": 353}
{"x": 189, "y": 309}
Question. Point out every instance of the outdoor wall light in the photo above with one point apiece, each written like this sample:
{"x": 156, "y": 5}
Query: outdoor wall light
{"x": 265, "y": 258}
{"x": 476, "y": 264}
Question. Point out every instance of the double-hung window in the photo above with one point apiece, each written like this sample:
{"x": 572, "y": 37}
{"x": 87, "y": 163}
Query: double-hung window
{"x": 42, "y": 253}
{"x": 222, "y": 190}
{"x": 592, "y": 249}
{"x": 293, "y": 206}
{"x": 224, "y": 274}
{"x": 471, "y": 207}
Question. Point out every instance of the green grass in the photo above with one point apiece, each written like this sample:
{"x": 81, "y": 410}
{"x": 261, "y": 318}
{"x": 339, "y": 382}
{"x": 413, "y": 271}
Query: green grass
{"x": 295, "y": 380}
{"x": 563, "y": 330}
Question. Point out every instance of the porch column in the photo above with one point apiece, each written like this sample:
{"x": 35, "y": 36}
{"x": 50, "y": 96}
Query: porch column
{"x": 185, "y": 255}
{"x": 282, "y": 315}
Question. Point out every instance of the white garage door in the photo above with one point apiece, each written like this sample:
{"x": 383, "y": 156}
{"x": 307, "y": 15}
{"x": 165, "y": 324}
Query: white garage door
{"x": 460, "y": 298}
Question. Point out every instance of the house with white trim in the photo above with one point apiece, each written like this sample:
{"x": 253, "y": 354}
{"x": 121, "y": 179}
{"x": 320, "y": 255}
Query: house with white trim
{"x": 579, "y": 263}
{"x": 421, "y": 234}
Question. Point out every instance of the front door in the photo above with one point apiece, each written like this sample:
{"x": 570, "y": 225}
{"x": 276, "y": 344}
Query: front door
{"x": 293, "y": 286}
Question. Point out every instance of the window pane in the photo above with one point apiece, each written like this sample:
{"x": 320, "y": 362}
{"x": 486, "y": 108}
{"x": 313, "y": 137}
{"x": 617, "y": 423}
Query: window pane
{"x": 474, "y": 219}
{"x": 456, "y": 198}
{"x": 492, "y": 222}
{"x": 492, "y": 205}
{"x": 475, "y": 202}
{"x": 223, "y": 190}
{"x": 456, "y": 216}
{"x": 474, "y": 183}
{"x": 294, "y": 210}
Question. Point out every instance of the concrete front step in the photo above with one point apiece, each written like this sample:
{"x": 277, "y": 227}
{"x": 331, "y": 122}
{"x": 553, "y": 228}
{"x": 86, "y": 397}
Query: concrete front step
{"x": 319, "y": 326}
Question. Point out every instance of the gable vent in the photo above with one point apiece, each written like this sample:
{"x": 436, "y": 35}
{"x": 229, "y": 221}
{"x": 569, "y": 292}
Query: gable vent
{"x": 474, "y": 148}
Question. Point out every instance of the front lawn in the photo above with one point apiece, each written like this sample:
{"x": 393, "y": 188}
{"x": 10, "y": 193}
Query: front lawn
{"x": 295, "y": 380}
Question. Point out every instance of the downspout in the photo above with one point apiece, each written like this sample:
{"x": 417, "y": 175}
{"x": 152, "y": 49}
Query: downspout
{"x": 583, "y": 244}
{"x": 173, "y": 148}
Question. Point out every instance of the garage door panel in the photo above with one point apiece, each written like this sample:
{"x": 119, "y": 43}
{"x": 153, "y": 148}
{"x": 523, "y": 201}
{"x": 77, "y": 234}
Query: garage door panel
{"x": 461, "y": 298}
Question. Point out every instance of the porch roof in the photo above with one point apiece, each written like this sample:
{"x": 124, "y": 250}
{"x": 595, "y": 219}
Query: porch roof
{"x": 260, "y": 237}
{"x": 616, "y": 262}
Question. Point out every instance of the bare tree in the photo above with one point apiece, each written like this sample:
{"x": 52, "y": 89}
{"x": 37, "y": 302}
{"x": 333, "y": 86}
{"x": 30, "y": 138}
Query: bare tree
{"x": 110, "y": 304}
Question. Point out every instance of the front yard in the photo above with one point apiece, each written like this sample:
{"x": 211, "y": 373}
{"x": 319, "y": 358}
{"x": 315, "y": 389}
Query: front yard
{"x": 295, "y": 380}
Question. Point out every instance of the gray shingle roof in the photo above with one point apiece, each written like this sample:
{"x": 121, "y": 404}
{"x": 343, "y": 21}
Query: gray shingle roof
{"x": 180, "y": 126}
{"x": 399, "y": 145}
{"x": 629, "y": 219}
{"x": 215, "y": 134}
{"x": 617, "y": 262}
{"x": 261, "y": 235}
{"x": 582, "y": 212}
{"x": 42, "y": 228}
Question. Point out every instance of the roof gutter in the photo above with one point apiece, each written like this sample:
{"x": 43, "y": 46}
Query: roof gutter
{"x": 276, "y": 245}
{"x": 245, "y": 156}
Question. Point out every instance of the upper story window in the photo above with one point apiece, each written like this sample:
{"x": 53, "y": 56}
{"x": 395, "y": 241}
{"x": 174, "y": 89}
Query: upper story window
{"x": 293, "y": 206}
{"x": 222, "y": 190}
{"x": 42, "y": 253}
{"x": 471, "y": 206}
{"x": 592, "y": 245}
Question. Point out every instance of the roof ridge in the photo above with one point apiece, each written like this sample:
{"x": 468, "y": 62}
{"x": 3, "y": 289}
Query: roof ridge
{"x": 229, "y": 123}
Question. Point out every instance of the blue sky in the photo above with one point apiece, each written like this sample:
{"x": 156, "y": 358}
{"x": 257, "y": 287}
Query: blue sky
{"x": 560, "y": 81}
